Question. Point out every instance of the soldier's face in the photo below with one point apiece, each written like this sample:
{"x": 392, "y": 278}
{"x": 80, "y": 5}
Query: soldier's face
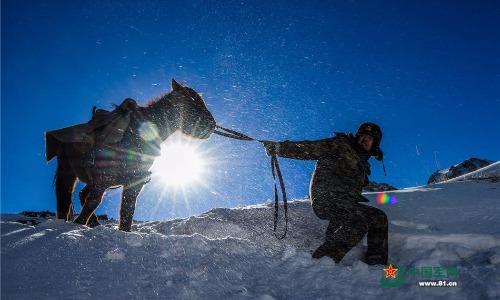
{"x": 366, "y": 142}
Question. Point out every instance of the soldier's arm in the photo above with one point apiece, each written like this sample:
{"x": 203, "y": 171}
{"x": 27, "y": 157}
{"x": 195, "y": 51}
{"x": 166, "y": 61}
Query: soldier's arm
{"x": 306, "y": 150}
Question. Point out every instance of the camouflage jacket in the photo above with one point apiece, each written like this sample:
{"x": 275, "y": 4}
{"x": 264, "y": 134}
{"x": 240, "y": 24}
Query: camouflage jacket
{"x": 341, "y": 172}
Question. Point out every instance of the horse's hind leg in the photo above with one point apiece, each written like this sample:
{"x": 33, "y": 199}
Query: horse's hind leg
{"x": 65, "y": 182}
{"x": 84, "y": 194}
{"x": 92, "y": 201}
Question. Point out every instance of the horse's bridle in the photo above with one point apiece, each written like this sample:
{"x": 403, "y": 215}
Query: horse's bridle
{"x": 275, "y": 168}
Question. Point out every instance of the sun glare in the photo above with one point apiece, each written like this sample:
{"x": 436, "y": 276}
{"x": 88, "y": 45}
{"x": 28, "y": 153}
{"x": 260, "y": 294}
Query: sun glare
{"x": 179, "y": 164}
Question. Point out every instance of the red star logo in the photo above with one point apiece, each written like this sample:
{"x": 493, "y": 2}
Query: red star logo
{"x": 390, "y": 272}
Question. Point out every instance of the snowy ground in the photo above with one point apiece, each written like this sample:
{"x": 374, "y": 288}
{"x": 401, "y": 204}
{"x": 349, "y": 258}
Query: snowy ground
{"x": 231, "y": 253}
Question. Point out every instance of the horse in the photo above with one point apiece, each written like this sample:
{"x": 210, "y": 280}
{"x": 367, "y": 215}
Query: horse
{"x": 125, "y": 163}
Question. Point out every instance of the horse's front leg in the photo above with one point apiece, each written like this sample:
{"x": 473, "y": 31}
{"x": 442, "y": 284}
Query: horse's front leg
{"x": 129, "y": 197}
{"x": 94, "y": 197}
{"x": 85, "y": 193}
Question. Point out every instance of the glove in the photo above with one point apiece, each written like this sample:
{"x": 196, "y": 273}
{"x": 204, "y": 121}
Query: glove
{"x": 271, "y": 147}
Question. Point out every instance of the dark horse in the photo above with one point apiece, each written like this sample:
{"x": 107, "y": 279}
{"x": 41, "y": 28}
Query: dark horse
{"x": 126, "y": 162}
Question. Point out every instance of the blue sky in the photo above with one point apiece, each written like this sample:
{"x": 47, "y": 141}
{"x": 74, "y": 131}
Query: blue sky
{"x": 428, "y": 73}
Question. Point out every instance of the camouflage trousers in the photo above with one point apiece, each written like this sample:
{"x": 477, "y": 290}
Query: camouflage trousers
{"x": 349, "y": 222}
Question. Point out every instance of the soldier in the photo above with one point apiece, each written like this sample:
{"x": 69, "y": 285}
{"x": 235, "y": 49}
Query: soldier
{"x": 341, "y": 172}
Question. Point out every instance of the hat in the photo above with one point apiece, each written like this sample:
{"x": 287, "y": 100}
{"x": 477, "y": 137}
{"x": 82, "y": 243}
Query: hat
{"x": 375, "y": 132}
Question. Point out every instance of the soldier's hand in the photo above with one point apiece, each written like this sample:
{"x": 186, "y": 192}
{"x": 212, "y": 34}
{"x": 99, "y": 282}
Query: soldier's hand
{"x": 270, "y": 147}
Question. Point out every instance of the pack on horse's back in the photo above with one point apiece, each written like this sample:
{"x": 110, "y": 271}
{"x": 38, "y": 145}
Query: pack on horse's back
{"x": 105, "y": 127}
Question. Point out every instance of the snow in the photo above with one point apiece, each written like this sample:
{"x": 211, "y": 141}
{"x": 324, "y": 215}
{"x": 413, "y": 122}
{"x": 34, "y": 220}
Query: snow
{"x": 232, "y": 253}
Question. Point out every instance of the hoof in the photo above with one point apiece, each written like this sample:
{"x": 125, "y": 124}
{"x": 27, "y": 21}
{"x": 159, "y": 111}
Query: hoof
{"x": 125, "y": 228}
{"x": 79, "y": 221}
{"x": 93, "y": 224}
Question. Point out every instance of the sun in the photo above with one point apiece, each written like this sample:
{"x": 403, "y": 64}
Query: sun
{"x": 179, "y": 164}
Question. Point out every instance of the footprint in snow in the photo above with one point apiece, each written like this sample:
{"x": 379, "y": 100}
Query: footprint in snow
{"x": 115, "y": 255}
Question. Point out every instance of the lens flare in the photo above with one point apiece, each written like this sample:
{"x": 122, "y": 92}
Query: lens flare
{"x": 385, "y": 198}
{"x": 148, "y": 131}
{"x": 179, "y": 164}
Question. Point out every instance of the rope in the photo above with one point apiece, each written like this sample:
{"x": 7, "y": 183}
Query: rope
{"x": 275, "y": 169}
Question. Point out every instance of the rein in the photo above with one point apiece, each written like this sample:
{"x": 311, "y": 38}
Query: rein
{"x": 275, "y": 169}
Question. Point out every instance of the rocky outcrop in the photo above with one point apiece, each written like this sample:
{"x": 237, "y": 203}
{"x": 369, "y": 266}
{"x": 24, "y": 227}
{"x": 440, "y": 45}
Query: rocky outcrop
{"x": 378, "y": 187}
{"x": 462, "y": 168}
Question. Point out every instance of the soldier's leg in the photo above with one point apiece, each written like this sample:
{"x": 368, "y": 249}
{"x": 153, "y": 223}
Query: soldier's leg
{"x": 377, "y": 238}
{"x": 328, "y": 247}
{"x": 346, "y": 229}
{"x": 345, "y": 236}
{"x": 324, "y": 209}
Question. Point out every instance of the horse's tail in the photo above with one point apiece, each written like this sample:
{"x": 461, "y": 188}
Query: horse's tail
{"x": 55, "y": 176}
{"x": 59, "y": 169}
{"x": 52, "y": 146}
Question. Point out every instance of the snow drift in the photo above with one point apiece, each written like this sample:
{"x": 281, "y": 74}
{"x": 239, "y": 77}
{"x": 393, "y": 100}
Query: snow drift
{"x": 232, "y": 253}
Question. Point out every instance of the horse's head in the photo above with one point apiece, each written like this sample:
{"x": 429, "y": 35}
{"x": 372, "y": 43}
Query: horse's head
{"x": 184, "y": 109}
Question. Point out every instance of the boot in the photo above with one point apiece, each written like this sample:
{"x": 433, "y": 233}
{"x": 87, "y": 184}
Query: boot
{"x": 374, "y": 260}
{"x": 327, "y": 249}
{"x": 323, "y": 250}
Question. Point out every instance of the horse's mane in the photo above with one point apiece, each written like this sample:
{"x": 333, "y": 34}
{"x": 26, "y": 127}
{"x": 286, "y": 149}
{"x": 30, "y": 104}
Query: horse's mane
{"x": 150, "y": 104}
{"x": 157, "y": 99}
